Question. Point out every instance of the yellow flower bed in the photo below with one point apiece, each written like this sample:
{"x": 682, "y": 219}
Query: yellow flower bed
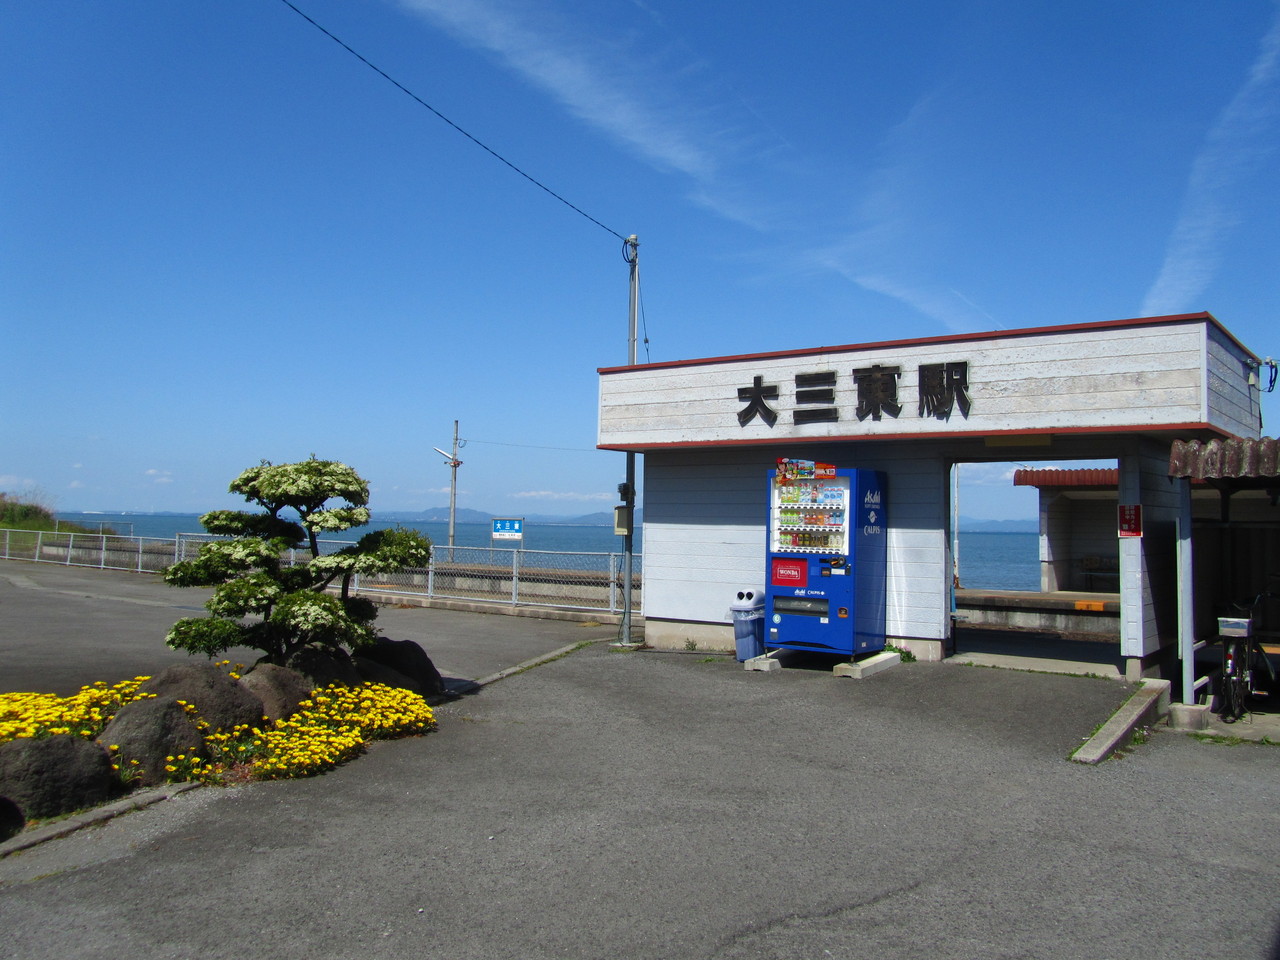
{"x": 329, "y": 729}
{"x": 82, "y": 714}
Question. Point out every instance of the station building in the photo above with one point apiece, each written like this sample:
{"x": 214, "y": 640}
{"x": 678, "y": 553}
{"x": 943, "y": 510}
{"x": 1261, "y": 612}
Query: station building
{"x": 710, "y": 430}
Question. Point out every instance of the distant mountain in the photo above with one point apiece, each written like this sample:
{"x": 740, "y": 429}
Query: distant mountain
{"x": 441, "y": 515}
{"x": 433, "y": 515}
{"x": 970, "y": 525}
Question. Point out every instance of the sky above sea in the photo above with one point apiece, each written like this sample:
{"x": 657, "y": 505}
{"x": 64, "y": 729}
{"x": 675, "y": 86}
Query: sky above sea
{"x": 226, "y": 239}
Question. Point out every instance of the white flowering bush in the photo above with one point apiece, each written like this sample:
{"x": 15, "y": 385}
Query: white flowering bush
{"x": 261, "y": 602}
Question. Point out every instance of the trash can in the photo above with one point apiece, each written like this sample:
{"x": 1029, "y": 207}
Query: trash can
{"x": 748, "y": 623}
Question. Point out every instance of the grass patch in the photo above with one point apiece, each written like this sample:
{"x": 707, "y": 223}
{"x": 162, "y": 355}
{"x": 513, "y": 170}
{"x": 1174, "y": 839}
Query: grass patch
{"x": 23, "y": 514}
{"x": 1228, "y": 740}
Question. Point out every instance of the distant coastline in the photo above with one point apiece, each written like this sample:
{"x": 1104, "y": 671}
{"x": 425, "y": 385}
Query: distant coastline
{"x": 600, "y": 519}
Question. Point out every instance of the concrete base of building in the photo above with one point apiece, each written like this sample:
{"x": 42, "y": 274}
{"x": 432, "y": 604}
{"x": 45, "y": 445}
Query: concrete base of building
{"x": 926, "y": 651}
{"x": 1163, "y": 663}
{"x": 684, "y": 635}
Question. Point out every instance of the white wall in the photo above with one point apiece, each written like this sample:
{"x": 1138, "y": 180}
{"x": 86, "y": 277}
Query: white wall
{"x": 704, "y": 531}
{"x": 1106, "y": 377}
{"x": 1232, "y": 403}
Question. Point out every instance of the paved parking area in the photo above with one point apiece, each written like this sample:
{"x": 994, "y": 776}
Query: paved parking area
{"x": 646, "y": 804}
{"x": 63, "y": 627}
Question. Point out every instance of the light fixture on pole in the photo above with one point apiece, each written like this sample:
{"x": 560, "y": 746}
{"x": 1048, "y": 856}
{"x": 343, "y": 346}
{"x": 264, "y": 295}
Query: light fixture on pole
{"x": 451, "y": 460}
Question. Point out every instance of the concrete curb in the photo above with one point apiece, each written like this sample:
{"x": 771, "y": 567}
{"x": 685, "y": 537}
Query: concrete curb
{"x": 1148, "y": 705}
{"x": 89, "y": 818}
{"x": 145, "y": 798}
{"x": 534, "y": 662}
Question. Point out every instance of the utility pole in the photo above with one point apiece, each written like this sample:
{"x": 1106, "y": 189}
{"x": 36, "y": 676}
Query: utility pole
{"x": 452, "y": 461}
{"x": 630, "y": 253}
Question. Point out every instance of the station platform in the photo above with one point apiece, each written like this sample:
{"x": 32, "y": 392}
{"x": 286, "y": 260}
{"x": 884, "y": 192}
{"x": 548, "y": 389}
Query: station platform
{"x": 1093, "y": 615}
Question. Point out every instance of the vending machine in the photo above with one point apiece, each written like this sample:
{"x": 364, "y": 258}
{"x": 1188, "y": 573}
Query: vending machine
{"x": 826, "y": 559}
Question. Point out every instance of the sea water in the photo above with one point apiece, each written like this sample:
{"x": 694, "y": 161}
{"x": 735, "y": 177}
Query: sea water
{"x": 988, "y": 561}
{"x": 559, "y": 537}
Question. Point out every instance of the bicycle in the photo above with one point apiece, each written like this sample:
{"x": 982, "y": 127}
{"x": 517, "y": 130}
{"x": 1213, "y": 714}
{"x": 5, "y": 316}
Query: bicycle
{"x": 1244, "y": 663}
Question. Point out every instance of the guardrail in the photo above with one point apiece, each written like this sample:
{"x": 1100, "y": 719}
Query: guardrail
{"x": 539, "y": 578}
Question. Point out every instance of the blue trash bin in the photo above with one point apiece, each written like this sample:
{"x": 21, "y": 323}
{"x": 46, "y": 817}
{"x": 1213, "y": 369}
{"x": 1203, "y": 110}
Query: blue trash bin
{"x": 748, "y": 623}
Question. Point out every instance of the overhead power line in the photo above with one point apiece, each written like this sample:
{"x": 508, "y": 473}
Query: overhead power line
{"x": 489, "y": 150}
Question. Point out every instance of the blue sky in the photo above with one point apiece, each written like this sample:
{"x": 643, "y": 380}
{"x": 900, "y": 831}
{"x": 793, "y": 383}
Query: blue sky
{"x": 224, "y": 239}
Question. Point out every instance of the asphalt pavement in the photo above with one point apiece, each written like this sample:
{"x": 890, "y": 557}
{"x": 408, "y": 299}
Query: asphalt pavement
{"x": 62, "y": 627}
{"x": 612, "y": 804}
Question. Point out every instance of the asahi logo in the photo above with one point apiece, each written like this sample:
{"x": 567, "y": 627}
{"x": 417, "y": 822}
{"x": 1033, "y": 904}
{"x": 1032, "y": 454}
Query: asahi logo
{"x": 871, "y": 503}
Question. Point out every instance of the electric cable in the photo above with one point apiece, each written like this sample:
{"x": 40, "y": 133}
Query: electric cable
{"x": 403, "y": 89}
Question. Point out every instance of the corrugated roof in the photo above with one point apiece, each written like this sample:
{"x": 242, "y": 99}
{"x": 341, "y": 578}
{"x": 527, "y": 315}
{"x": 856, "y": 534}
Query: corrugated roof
{"x": 1094, "y": 477}
{"x": 1225, "y": 459}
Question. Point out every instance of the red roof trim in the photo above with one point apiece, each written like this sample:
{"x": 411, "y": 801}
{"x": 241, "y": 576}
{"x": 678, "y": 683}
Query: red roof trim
{"x": 950, "y": 338}
{"x": 1182, "y": 428}
{"x": 1088, "y": 477}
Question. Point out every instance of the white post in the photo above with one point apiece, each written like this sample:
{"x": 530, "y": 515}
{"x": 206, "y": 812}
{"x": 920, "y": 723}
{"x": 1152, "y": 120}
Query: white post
{"x": 1186, "y": 594}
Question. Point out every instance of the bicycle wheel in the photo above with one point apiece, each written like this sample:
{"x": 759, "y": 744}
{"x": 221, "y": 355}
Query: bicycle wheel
{"x": 1233, "y": 684}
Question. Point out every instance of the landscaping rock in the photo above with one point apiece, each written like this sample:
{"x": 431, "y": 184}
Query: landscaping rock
{"x": 11, "y": 819}
{"x": 54, "y": 775}
{"x": 222, "y": 703}
{"x": 279, "y": 688}
{"x": 408, "y": 658}
{"x": 371, "y": 671}
{"x": 325, "y": 667}
{"x": 149, "y": 731}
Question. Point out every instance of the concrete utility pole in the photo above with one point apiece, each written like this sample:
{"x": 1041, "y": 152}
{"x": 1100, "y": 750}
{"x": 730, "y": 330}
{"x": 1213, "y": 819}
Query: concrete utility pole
{"x": 630, "y": 253}
{"x": 452, "y": 461}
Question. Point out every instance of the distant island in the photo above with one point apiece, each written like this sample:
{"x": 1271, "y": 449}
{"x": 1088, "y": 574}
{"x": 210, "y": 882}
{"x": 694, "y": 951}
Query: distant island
{"x": 970, "y": 525}
{"x": 603, "y": 518}
{"x": 441, "y": 515}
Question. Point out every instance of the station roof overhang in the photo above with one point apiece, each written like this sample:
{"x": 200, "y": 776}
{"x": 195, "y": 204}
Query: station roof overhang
{"x": 1229, "y": 465}
{"x": 997, "y": 395}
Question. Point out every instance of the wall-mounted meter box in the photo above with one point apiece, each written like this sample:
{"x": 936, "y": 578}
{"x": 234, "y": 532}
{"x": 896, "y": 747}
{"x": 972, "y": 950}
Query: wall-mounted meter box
{"x": 825, "y": 559}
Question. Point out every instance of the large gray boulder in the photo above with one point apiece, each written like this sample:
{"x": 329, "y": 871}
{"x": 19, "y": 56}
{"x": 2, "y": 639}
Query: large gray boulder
{"x": 279, "y": 688}
{"x": 55, "y": 775}
{"x": 324, "y": 667}
{"x": 150, "y": 731}
{"x": 371, "y": 671}
{"x": 408, "y": 658}
{"x": 222, "y": 703}
{"x": 11, "y": 819}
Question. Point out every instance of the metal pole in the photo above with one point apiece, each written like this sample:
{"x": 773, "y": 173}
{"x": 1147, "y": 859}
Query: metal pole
{"x": 453, "y": 489}
{"x": 631, "y": 252}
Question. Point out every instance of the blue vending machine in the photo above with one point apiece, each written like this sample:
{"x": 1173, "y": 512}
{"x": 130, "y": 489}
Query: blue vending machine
{"x": 826, "y": 559}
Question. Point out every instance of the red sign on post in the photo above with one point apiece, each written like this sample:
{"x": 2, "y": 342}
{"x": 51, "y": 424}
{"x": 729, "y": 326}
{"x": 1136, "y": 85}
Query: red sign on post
{"x": 1130, "y": 520}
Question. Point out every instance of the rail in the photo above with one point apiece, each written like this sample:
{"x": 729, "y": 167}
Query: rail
{"x": 507, "y": 577}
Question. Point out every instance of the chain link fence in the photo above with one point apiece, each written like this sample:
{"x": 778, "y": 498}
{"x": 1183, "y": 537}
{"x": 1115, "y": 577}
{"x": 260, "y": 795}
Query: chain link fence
{"x": 541, "y": 578}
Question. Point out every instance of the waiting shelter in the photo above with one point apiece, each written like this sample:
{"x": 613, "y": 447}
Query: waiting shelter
{"x": 710, "y": 430}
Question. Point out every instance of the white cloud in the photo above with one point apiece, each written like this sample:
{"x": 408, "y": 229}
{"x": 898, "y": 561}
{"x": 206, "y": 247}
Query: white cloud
{"x": 159, "y": 476}
{"x": 75, "y": 485}
{"x": 1212, "y": 205}
{"x": 588, "y": 77}
{"x": 12, "y": 482}
{"x": 886, "y": 251}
